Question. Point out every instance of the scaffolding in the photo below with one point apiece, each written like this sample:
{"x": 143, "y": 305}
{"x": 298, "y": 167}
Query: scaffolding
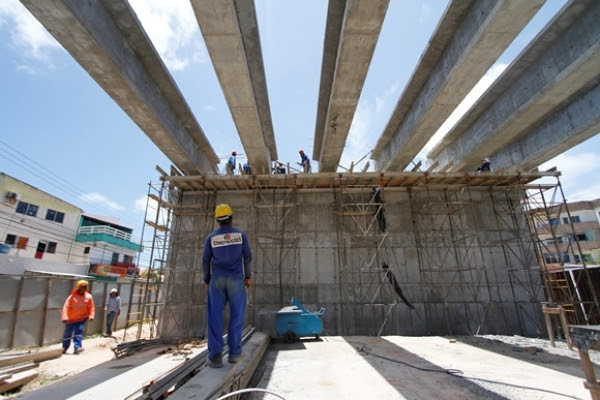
{"x": 413, "y": 252}
{"x": 556, "y": 245}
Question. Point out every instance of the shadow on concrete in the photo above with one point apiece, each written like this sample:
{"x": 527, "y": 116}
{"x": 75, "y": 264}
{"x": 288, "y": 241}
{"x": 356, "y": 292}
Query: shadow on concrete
{"x": 410, "y": 374}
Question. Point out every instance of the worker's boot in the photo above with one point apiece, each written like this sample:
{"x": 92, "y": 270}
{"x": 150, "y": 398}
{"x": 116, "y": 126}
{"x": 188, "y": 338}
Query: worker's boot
{"x": 216, "y": 361}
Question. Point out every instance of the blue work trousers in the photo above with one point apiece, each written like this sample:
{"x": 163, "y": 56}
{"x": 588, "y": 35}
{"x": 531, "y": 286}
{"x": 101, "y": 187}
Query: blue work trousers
{"x": 73, "y": 330}
{"x": 223, "y": 290}
{"x": 110, "y": 317}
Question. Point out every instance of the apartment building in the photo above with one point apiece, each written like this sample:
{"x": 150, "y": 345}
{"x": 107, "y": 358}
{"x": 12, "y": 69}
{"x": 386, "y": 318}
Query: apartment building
{"x": 573, "y": 233}
{"x": 38, "y": 225}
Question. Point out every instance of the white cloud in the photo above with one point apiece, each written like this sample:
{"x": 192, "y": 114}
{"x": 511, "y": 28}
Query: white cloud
{"x": 27, "y": 35}
{"x": 576, "y": 169}
{"x": 367, "y": 125}
{"x": 140, "y": 203}
{"x": 172, "y": 27}
{"x": 97, "y": 198}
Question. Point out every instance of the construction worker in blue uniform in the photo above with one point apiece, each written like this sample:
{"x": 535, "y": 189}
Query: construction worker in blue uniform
{"x": 485, "y": 165}
{"x": 227, "y": 268}
{"x": 230, "y": 166}
{"x": 247, "y": 169}
{"x": 305, "y": 162}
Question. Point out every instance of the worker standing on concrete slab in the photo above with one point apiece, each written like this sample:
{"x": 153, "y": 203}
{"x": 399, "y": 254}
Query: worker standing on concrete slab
{"x": 305, "y": 162}
{"x": 227, "y": 268}
{"x": 78, "y": 308}
{"x": 113, "y": 309}
{"x": 230, "y": 166}
{"x": 485, "y": 165}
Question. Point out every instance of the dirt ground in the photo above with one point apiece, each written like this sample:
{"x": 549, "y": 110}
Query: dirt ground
{"x": 98, "y": 350}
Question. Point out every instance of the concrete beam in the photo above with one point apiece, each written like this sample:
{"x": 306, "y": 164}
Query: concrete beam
{"x": 469, "y": 39}
{"x": 230, "y": 31}
{"x": 562, "y": 62}
{"x": 333, "y": 29}
{"x": 565, "y": 129}
{"x": 108, "y": 41}
{"x": 359, "y": 34}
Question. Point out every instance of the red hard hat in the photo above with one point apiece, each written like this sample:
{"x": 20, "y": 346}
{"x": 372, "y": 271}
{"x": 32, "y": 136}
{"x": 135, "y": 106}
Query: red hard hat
{"x": 234, "y": 153}
{"x": 301, "y": 151}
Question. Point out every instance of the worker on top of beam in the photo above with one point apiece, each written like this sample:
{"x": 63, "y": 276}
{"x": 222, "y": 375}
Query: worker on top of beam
{"x": 247, "y": 169}
{"x": 485, "y": 165}
{"x": 305, "y": 162}
{"x": 230, "y": 166}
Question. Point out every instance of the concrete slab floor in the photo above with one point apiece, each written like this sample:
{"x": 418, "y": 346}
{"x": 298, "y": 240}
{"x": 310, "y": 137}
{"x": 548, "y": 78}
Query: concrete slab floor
{"x": 398, "y": 367}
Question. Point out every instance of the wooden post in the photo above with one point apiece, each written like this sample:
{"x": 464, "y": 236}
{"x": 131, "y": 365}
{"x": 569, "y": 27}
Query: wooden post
{"x": 560, "y": 311}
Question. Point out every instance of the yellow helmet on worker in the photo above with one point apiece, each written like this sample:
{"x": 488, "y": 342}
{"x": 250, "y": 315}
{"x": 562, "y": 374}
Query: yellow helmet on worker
{"x": 223, "y": 212}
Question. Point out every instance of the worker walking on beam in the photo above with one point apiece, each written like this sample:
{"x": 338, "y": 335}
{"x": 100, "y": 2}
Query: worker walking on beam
{"x": 230, "y": 166}
{"x": 305, "y": 162}
{"x": 227, "y": 268}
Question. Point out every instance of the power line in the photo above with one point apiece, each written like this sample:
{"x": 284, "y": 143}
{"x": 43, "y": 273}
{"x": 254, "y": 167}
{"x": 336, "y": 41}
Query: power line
{"x": 57, "y": 183}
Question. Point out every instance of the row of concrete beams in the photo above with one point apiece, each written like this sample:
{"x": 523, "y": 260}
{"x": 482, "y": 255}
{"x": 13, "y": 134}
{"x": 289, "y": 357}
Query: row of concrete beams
{"x": 545, "y": 102}
{"x": 230, "y": 31}
{"x": 108, "y": 41}
{"x": 468, "y": 40}
{"x": 352, "y": 31}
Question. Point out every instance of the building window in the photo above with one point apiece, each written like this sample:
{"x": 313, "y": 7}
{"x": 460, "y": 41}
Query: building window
{"x": 51, "y": 247}
{"x": 553, "y": 222}
{"x": 115, "y": 258}
{"x": 86, "y": 250}
{"x": 575, "y": 219}
{"x": 10, "y": 239}
{"x": 26, "y": 208}
{"x": 577, "y": 258}
{"x": 128, "y": 259}
{"x": 581, "y": 237}
{"x": 55, "y": 216}
{"x": 22, "y": 243}
{"x": 565, "y": 220}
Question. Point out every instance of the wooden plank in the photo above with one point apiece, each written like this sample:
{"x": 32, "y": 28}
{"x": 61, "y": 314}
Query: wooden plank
{"x": 18, "y": 368}
{"x": 209, "y": 383}
{"x": 18, "y": 379}
{"x": 35, "y": 357}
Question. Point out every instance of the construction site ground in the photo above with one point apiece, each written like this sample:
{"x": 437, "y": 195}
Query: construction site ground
{"x": 391, "y": 367}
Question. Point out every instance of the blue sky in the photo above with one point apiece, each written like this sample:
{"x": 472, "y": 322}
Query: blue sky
{"x": 63, "y": 134}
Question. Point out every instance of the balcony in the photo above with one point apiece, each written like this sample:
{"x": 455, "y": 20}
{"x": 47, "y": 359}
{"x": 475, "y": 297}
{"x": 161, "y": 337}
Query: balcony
{"x": 107, "y": 234}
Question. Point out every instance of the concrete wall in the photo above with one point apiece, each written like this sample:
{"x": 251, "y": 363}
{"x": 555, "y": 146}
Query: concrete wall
{"x": 463, "y": 258}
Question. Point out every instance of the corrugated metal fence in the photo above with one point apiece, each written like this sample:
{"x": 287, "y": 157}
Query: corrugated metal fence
{"x": 30, "y": 307}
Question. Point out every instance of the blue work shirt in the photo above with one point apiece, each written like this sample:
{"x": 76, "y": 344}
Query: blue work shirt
{"x": 304, "y": 158}
{"x": 231, "y": 161}
{"x": 227, "y": 253}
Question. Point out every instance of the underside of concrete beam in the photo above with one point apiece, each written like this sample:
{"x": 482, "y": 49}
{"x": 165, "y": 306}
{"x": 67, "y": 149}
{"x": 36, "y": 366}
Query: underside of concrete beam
{"x": 565, "y": 129}
{"x": 359, "y": 34}
{"x": 469, "y": 39}
{"x": 560, "y": 63}
{"x": 108, "y": 41}
{"x": 232, "y": 39}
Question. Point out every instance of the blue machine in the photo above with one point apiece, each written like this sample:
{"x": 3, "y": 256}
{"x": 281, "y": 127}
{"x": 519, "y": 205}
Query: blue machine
{"x": 295, "y": 321}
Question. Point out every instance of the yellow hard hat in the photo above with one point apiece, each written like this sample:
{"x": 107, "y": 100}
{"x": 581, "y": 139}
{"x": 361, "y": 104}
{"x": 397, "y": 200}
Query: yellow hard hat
{"x": 82, "y": 283}
{"x": 223, "y": 211}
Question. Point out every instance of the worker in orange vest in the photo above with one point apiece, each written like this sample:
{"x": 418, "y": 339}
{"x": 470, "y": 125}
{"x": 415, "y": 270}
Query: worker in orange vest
{"x": 78, "y": 308}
